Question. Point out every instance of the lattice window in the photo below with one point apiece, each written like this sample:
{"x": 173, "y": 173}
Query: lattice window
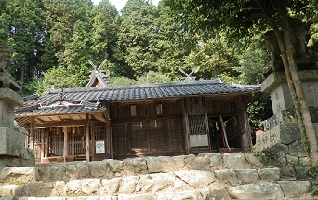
{"x": 197, "y": 124}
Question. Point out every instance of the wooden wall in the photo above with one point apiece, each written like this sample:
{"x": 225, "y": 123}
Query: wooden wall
{"x": 147, "y": 128}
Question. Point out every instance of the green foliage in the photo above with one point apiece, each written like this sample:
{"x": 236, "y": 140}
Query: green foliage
{"x": 214, "y": 57}
{"x": 260, "y": 110}
{"x": 59, "y": 77}
{"x": 312, "y": 173}
{"x": 120, "y": 81}
{"x": 253, "y": 63}
{"x": 271, "y": 157}
{"x": 153, "y": 77}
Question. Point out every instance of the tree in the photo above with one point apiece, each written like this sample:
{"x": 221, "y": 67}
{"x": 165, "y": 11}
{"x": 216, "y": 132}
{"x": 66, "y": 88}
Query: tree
{"x": 137, "y": 36}
{"x": 215, "y": 57}
{"x": 22, "y": 27}
{"x": 104, "y": 36}
{"x": 286, "y": 18}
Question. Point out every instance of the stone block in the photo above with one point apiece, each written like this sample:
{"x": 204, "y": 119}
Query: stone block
{"x": 129, "y": 184}
{"x": 269, "y": 174}
{"x": 228, "y": 176}
{"x": 235, "y": 161}
{"x": 97, "y": 169}
{"x": 164, "y": 164}
{"x": 196, "y": 178}
{"x": 289, "y": 134}
{"x": 135, "y": 166}
{"x": 259, "y": 191}
{"x": 38, "y": 189}
{"x": 73, "y": 187}
{"x": 12, "y": 142}
{"x": 295, "y": 188}
{"x": 198, "y": 163}
{"x": 10, "y": 191}
{"x": 91, "y": 186}
{"x": 253, "y": 161}
{"x": 110, "y": 187}
{"x": 247, "y": 176}
{"x": 296, "y": 149}
{"x": 136, "y": 197}
{"x": 19, "y": 175}
{"x": 10, "y": 97}
{"x": 158, "y": 182}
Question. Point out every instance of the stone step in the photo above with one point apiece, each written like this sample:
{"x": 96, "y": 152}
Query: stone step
{"x": 108, "y": 169}
{"x": 193, "y": 178}
{"x": 153, "y": 183}
{"x": 259, "y": 191}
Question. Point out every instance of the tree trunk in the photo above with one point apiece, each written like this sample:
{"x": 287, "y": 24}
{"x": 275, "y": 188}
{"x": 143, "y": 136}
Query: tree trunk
{"x": 305, "y": 125}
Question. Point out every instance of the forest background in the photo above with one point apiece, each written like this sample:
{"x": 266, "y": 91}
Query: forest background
{"x": 53, "y": 41}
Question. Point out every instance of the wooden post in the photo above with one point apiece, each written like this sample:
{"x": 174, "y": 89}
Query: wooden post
{"x": 109, "y": 139}
{"x": 31, "y": 144}
{"x": 186, "y": 127}
{"x": 65, "y": 148}
{"x": 42, "y": 145}
{"x": 87, "y": 147}
{"x": 93, "y": 150}
{"x": 46, "y": 144}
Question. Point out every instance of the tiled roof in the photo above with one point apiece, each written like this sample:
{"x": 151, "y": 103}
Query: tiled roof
{"x": 56, "y": 109}
{"x": 149, "y": 91}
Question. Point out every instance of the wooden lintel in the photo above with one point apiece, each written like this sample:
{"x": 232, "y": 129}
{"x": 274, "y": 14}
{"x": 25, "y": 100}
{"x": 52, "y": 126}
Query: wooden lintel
{"x": 62, "y": 123}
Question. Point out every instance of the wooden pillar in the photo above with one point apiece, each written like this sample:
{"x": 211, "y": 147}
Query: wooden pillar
{"x": 31, "y": 144}
{"x": 186, "y": 128}
{"x": 46, "y": 143}
{"x": 93, "y": 150}
{"x": 87, "y": 147}
{"x": 42, "y": 144}
{"x": 65, "y": 148}
{"x": 109, "y": 138}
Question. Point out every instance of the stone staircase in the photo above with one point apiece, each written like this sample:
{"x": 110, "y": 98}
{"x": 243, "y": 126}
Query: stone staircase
{"x": 213, "y": 176}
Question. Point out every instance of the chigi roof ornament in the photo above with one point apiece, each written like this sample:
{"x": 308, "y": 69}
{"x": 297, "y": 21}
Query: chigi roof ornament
{"x": 98, "y": 77}
{"x": 188, "y": 77}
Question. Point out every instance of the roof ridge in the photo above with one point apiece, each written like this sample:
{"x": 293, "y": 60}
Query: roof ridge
{"x": 79, "y": 89}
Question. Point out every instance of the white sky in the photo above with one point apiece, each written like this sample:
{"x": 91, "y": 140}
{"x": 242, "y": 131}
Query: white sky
{"x": 119, "y": 4}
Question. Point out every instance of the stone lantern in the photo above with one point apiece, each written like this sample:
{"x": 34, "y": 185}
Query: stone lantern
{"x": 12, "y": 143}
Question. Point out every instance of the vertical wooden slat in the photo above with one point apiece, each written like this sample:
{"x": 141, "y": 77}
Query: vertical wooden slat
{"x": 87, "y": 138}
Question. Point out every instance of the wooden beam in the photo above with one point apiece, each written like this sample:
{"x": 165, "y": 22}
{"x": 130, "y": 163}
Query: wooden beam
{"x": 62, "y": 124}
{"x": 87, "y": 137}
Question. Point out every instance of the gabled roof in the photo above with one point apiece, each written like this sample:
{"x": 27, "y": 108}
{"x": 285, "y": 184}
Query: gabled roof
{"x": 97, "y": 79}
{"x": 148, "y": 91}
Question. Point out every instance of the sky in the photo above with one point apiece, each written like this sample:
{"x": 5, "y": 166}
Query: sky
{"x": 119, "y": 4}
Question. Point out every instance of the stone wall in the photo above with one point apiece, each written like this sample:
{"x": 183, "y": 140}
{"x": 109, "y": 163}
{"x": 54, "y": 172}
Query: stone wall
{"x": 204, "y": 176}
